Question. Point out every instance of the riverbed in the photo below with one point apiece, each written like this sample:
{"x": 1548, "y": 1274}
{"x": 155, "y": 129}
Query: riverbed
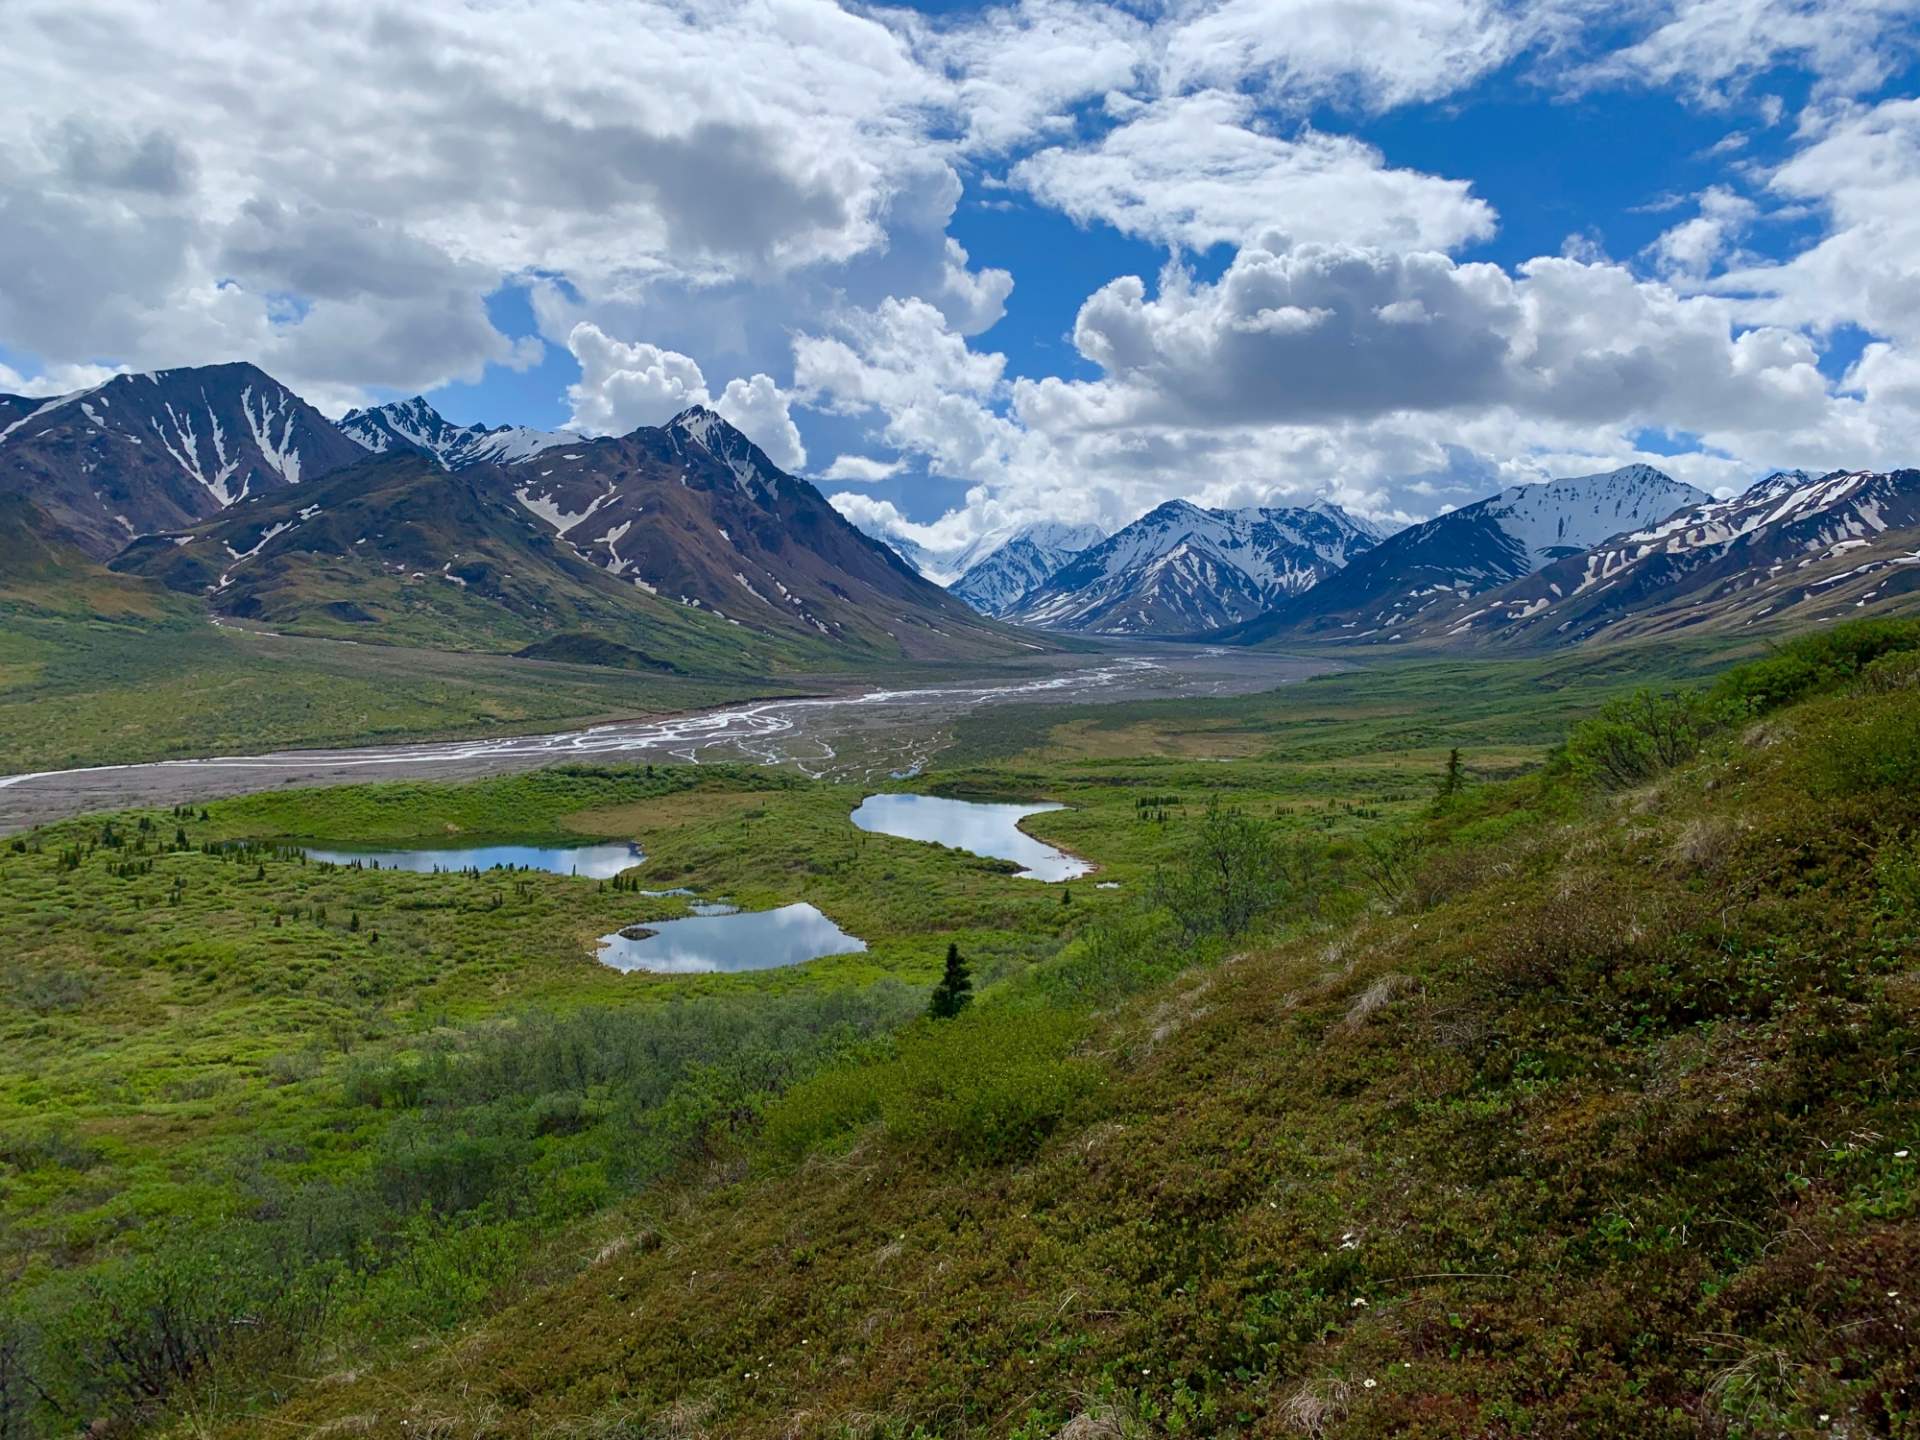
{"x": 861, "y": 735}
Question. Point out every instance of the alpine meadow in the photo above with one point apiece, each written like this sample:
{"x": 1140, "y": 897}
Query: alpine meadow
{"x": 1063, "y": 720}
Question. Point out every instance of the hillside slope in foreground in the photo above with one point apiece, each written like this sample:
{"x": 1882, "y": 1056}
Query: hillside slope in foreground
{"x": 1584, "y": 1105}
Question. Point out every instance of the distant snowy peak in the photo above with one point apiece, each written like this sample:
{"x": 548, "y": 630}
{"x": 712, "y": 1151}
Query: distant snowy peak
{"x": 1182, "y": 569}
{"x": 1792, "y": 545}
{"x": 1564, "y": 517}
{"x": 414, "y": 424}
{"x": 948, "y": 566}
{"x": 995, "y": 583}
{"x": 1428, "y": 569}
{"x": 1791, "y": 511}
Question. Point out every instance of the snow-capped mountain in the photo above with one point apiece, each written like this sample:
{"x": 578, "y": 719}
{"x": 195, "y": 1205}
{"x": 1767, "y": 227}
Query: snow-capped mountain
{"x": 416, "y": 424}
{"x": 1427, "y": 569}
{"x": 995, "y": 583}
{"x": 1818, "y": 546}
{"x": 156, "y": 451}
{"x": 1181, "y": 569}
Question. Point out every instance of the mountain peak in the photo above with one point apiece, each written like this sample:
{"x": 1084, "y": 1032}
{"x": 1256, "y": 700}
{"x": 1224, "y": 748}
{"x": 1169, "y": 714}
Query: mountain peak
{"x": 725, "y": 442}
{"x": 162, "y": 449}
{"x": 416, "y": 425}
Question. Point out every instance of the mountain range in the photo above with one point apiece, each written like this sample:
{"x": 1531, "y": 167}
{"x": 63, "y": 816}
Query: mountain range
{"x": 1428, "y": 568}
{"x": 1181, "y": 569}
{"x": 416, "y": 425}
{"x": 1794, "y": 547}
{"x": 674, "y": 544}
{"x": 684, "y": 545}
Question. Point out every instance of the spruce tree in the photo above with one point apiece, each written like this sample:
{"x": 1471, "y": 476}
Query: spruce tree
{"x": 955, "y": 989}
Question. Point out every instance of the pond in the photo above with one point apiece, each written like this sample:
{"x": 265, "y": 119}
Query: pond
{"x": 973, "y": 826}
{"x": 590, "y": 862}
{"x": 740, "y": 940}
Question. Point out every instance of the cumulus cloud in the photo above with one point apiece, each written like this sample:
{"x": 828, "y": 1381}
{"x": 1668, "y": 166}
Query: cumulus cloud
{"x": 1295, "y": 334}
{"x": 903, "y": 363}
{"x": 1695, "y": 246}
{"x": 1304, "y": 52}
{"x": 626, "y": 384}
{"x": 758, "y": 409}
{"x": 622, "y": 146}
{"x": 60, "y": 380}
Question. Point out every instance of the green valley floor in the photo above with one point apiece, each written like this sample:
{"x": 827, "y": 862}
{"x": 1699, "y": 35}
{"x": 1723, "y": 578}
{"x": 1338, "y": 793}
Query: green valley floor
{"x": 1512, "y": 1049}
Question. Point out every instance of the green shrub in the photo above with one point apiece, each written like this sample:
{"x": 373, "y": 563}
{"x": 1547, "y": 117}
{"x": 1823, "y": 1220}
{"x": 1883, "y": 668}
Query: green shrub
{"x": 1637, "y": 736}
{"x": 140, "y": 1328}
{"x": 1228, "y": 878}
{"x": 1122, "y": 953}
{"x": 558, "y": 1112}
{"x": 982, "y": 1088}
{"x": 1867, "y": 748}
{"x": 1818, "y": 661}
{"x": 1891, "y": 673}
{"x": 985, "y": 1088}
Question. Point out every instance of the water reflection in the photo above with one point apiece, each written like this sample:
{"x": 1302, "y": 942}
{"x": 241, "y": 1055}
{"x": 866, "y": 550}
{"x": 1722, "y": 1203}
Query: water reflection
{"x": 979, "y": 828}
{"x": 590, "y": 862}
{"x": 743, "y": 940}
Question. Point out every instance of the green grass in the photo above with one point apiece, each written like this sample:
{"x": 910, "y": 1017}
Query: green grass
{"x": 1577, "y": 1117}
{"x": 138, "y": 687}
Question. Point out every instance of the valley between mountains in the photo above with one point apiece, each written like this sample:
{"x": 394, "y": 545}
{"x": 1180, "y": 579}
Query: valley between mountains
{"x": 676, "y": 565}
{"x": 1320, "y": 979}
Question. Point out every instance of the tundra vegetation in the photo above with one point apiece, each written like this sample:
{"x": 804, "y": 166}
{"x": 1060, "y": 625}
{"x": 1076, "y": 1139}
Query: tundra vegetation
{"x": 1559, "y": 1085}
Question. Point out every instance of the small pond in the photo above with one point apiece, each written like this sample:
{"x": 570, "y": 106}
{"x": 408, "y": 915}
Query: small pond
{"x": 979, "y": 828}
{"x": 738, "y": 940}
{"x": 590, "y": 862}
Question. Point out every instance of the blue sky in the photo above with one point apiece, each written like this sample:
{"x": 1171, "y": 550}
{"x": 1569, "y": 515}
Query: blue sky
{"x": 970, "y": 266}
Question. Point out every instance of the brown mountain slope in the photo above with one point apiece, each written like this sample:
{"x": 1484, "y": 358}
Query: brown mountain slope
{"x": 157, "y": 451}
{"x": 697, "y": 513}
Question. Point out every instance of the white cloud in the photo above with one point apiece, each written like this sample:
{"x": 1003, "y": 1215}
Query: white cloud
{"x": 1375, "y": 56}
{"x": 903, "y": 362}
{"x": 1718, "y": 49}
{"x": 626, "y": 384}
{"x": 861, "y": 469}
{"x": 1695, "y": 246}
{"x": 60, "y": 380}
{"x": 758, "y": 409}
{"x": 1018, "y": 70}
{"x": 1861, "y": 170}
{"x": 1320, "y": 333}
{"x": 1197, "y": 170}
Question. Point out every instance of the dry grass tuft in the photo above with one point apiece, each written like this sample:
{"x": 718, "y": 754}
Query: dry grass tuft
{"x": 1703, "y": 845}
{"x": 1317, "y": 1405}
{"x": 1102, "y": 1422}
{"x": 1375, "y": 998}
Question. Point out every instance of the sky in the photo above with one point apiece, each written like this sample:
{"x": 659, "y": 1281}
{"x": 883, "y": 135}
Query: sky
{"x": 972, "y": 266}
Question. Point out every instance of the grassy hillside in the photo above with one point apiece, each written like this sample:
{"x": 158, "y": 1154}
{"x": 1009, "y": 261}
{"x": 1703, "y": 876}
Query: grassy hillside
{"x": 1569, "y": 1104}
